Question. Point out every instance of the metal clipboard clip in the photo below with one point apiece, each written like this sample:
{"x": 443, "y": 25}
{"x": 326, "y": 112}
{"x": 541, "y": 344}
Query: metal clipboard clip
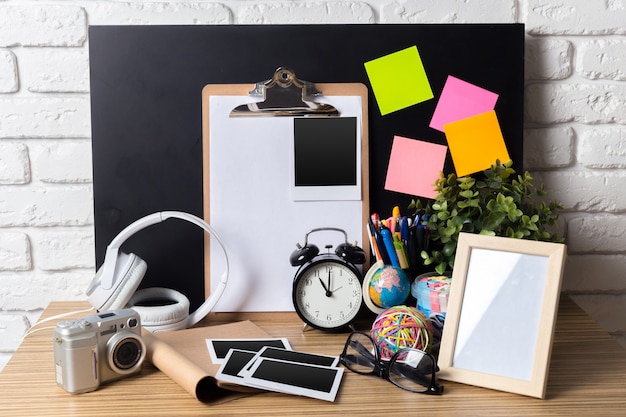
{"x": 284, "y": 95}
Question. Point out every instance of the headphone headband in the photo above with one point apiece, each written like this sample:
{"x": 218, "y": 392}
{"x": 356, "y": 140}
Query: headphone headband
{"x": 106, "y": 281}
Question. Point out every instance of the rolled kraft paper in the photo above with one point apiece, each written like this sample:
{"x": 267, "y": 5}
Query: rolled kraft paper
{"x": 181, "y": 370}
{"x": 183, "y": 355}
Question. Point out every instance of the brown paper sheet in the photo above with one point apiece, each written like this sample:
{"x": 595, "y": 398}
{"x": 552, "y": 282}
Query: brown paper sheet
{"x": 183, "y": 356}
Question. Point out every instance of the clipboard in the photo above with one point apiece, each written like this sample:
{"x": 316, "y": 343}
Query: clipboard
{"x": 246, "y": 186}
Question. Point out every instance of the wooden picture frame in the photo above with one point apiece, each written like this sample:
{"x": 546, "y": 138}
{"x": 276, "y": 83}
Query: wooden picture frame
{"x": 501, "y": 313}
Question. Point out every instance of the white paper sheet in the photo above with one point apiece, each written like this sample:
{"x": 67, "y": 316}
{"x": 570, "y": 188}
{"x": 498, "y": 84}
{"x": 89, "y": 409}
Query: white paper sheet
{"x": 253, "y": 212}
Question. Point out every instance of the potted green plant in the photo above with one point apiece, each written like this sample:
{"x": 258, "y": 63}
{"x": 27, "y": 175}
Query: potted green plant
{"x": 495, "y": 202}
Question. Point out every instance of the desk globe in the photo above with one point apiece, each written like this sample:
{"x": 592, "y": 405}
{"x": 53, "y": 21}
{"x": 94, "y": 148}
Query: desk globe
{"x": 390, "y": 286}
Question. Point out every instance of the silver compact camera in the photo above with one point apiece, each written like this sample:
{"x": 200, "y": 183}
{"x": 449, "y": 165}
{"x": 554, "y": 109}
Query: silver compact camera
{"x": 97, "y": 349}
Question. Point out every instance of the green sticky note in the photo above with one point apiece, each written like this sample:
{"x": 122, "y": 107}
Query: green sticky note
{"x": 398, "y": 80}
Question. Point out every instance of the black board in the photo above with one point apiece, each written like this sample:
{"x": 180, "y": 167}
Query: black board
{"x": 146, "y": 84}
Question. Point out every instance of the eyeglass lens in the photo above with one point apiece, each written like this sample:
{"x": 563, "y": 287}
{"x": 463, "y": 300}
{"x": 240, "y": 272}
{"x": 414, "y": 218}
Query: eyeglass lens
{"x": 361, "y": 355}
{"x": 410, "y": 369}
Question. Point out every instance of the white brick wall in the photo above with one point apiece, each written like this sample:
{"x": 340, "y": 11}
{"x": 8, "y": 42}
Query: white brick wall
{"x": 575, "y": 137}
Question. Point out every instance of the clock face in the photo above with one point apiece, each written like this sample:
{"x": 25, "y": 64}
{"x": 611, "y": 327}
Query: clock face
{"x": 327, "y": 294}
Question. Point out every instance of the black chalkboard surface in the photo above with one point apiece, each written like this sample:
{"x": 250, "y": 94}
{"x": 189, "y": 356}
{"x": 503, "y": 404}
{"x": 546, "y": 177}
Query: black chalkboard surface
{"x": 146, "y": 84}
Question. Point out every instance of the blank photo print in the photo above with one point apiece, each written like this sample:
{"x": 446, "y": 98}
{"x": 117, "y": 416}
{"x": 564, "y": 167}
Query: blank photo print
{"x": 218, "y": 348}
{"x": 290, "y": 356}
{"x": 321, "y": 382}
{"x": 326, "y": 159}
{"x": 234, "y": 362}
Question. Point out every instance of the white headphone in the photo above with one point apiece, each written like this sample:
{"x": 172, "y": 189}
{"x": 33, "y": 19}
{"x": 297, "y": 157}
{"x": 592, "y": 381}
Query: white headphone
{"x": 116, "y": 282}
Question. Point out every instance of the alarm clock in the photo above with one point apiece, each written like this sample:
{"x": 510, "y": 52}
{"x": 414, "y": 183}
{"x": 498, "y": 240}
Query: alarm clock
{"x": 327, "y": 288}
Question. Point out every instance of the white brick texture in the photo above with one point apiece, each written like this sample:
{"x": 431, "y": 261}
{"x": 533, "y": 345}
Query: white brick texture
{"x": 603, "y": 59}
{"x": 586, "y": 191}
{"x": 306, "y": 12}
{"x": 548, "y": 59}
{"x": 8, "y": 71}
{"x": 448, "y": 11}
{"x": 36, "y": 24}
{"x": 24, "y": 292}
{"x": 54, "y": 70}
{"x": 602, "y": 233}
{"x": 42, "y": 206}
{"x": 603, "y": 148}
{"x": 154, "y": 13}
{"x": 575, "y": 17}
{"x": 574, "y": 137}
{"x": 49, "y": 161}
{"x": 62, "y": 250}
{"x": 44, "y": 117}
{"x": 582, "y": 103}
{"x": 548, "y": 148}
{"x": 14, "y": 251}
{"x": 14, "y": 164}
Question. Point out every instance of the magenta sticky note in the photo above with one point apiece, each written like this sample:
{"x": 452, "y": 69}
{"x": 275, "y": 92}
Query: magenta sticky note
{"x": 459, "y": 100}
{"x": 414, "y": 166}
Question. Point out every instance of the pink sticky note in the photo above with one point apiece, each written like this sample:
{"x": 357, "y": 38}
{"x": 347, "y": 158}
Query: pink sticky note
{"x": 459, "y": 100}
{"x": 475, "y": 143}
{"x": 414, "y": 166}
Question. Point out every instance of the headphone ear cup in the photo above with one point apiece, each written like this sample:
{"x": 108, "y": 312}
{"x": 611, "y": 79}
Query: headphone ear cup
{"x": 133, "y": 270}
{"x": 160, "y": 309}
{"x": 350, "y": 253}
{"x": 303, "y": 255}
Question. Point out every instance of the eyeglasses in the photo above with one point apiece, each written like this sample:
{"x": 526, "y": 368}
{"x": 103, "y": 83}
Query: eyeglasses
{"x": 410, "y": 369}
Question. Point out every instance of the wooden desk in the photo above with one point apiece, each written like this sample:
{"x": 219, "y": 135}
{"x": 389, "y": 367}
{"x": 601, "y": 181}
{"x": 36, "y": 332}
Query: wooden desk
{"x": 587, "y": 377}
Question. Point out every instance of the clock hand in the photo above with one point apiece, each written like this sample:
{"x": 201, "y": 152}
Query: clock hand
{"x": 328, "y": 285}
{"x": 328, "y": 293}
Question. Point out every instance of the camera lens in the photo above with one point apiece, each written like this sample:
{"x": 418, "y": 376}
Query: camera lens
{"x": 127, "y": 353}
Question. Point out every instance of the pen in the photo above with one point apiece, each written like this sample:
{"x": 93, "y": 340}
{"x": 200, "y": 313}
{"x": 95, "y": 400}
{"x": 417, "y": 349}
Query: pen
{"x": 391, "y": 250}
{"x": 400, "y": 252}
{"x": 375, "y": 220}
{"x": 404, "y": 230}
{"x": 395, "y": 218}
{"x": 372, "y": 229}
{"x": 391, "y": 224}
{"x": 412, "y": 248}
{"x": 382, "y": 250}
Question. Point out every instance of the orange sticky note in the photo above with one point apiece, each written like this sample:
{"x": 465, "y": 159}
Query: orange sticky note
{"x": 475, "y": 143}
{"x": 414, "y": 166}
{"x": 398, "y": 80}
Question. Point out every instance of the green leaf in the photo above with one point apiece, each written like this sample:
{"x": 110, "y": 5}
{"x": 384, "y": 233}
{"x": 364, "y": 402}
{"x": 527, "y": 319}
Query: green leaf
{"x": 449, "y": 249}
{"x": 441, "y": 268}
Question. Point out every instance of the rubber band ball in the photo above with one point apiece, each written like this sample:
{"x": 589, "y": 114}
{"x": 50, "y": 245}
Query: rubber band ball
{"x": 401, "y": 327}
